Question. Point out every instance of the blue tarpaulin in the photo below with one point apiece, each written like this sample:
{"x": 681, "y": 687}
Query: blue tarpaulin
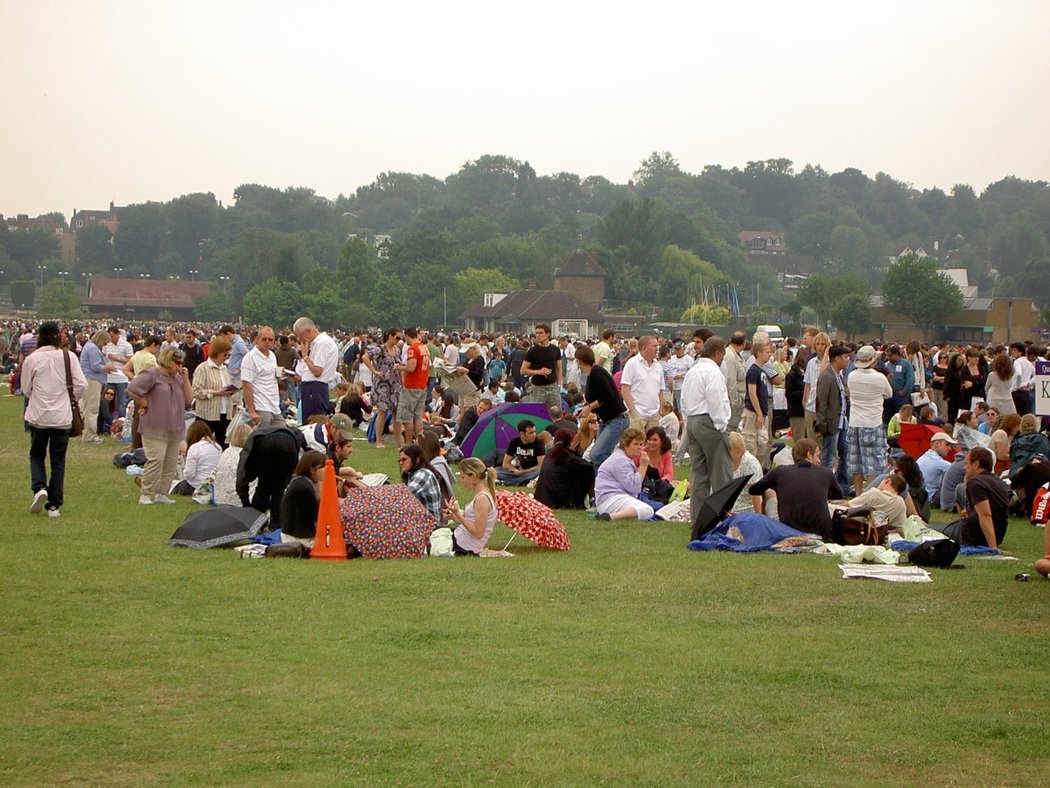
{"x": 759, "y": 532}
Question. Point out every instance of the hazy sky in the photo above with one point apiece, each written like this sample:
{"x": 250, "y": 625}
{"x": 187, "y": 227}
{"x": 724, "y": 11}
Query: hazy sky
{"x": 142, "y": 100}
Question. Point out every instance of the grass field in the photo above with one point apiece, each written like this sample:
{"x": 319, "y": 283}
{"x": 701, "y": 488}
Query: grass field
{"x": 625, "y": 660}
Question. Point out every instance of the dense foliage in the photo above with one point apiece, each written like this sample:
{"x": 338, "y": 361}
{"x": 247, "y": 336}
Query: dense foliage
{"x": 668, "y": 238}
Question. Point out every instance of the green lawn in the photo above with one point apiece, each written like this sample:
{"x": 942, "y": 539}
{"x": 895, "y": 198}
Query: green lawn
{"x": 626, "y": 660}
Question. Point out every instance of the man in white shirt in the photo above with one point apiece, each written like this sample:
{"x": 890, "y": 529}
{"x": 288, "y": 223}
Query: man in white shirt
{"x": 934, "y": 463}
{"x": 259, "y": 370}
{"x": 868, "y": 388}
{"x": 641, "y": 385}
{"x": 1024, "y": 379}
{"x": 118, "y": 352}
{"x": 321, "y": 362}
{"x": 706, "y": 408}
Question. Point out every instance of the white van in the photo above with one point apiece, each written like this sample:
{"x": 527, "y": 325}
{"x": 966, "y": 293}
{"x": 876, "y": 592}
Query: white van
{"x": 775, "y": 334}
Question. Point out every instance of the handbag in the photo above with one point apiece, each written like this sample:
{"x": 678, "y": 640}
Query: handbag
{"x": 857, "y": 527}
{"x": 77, "y": 427}
{"x": 920, "y": 398}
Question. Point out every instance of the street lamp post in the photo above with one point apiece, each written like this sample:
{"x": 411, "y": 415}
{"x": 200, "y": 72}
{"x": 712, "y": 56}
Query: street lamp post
{"x": 193, "y": 274}
{"x": 118, "y": 272}
{"x": 225, "y": 281}
{"x": 63, "y": 274}
{"x": 41, "y": 268}
{"x": 144, "y": 276}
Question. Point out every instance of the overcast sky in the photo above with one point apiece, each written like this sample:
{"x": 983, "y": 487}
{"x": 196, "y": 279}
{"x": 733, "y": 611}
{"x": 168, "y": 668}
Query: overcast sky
{"x": 142, "y": 100}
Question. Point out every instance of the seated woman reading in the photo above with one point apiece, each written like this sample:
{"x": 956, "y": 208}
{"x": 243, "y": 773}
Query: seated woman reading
{"x": 479, "y": 518}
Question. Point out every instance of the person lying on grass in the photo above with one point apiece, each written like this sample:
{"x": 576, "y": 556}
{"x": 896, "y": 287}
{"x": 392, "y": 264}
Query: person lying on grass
{"x": 618, "y": 482}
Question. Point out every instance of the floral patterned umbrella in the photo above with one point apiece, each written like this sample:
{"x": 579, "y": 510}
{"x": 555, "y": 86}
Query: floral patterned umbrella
{"x": 530, "y": 518}
{"x": 386, "y": 522}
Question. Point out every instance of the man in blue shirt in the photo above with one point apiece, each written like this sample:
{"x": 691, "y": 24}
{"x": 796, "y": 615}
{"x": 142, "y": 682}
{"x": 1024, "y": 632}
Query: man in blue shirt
{"x": 902, "y": 381}
{"x": 239, "y": 348}
{"x": 933, "y": 464}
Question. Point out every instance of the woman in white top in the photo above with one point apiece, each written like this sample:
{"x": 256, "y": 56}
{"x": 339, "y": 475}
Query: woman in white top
{"x": 202, "y": 457}
{"x": 745, "y": 464}
{"x": 479, "y": 518}
{"x": 224, "y": 480}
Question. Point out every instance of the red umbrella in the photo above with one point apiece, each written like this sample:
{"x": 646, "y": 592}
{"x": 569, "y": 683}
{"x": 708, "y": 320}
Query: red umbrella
{"x": 530, "y": 518}
{"x": 915, "y": 438}
{"x": 386, "y": 522}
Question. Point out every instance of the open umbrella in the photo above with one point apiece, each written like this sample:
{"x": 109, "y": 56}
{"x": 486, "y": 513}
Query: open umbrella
{"x": 218, "y": 526}
{"x": 386, "y": 522}
{"x": 718, "y": 506}
{"x": 530, "y": 518}
{"x": 497, "y": 428}
{"x": 915, "y": 438}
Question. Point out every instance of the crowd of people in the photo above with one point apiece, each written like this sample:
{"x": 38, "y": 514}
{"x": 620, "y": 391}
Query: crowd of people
{"x": 623, "y": 412}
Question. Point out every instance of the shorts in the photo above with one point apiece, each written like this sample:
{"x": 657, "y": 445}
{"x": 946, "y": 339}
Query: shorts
{"x": 410, "y": 405}
{"x": 867, "y": 450}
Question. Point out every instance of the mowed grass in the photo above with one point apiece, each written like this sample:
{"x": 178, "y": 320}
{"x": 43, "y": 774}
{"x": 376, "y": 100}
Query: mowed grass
{"x": 625, "y": 660}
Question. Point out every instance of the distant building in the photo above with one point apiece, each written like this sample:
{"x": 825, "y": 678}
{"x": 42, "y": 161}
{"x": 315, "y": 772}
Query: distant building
{"x": 110, "y": 219}
{"x": 519, "y": 311}
{"x": 768, "y": 247}
{"x": 980, "y": 320}
{"x": 582, "y": 275}
{"x": 144, "y": 299}
{"x": 762, "y": 242}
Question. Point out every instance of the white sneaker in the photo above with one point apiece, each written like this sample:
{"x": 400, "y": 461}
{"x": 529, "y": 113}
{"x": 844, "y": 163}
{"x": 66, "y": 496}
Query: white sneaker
{"x": 53, "y": 513}
{"x": 93, "y": 439}
{"x": 158, "y": 498}
{"x": 146, "y": 500}
{"x": 37, "y": 506}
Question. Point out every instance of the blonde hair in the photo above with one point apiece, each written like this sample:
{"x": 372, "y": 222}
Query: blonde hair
{"x": 238, "y": 436}
{"x": 736, "y": 441}
{"x": 168, "y": 356}
{"x": 476, "y": 467}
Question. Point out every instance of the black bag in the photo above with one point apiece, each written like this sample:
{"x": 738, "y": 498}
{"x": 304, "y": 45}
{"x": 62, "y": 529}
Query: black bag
{"x": 659, "y": 490}
{"x": 939, "y": 553}
{"x": 857, "y": 527}
{"x": 125, "y": 458}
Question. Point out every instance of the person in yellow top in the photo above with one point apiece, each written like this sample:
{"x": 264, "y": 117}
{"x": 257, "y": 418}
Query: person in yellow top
{"x": 145, "y": 358}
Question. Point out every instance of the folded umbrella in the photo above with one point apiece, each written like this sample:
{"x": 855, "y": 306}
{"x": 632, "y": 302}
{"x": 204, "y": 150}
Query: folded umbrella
{"x": 218, "y": 526}
{"x": 718, "y": 506}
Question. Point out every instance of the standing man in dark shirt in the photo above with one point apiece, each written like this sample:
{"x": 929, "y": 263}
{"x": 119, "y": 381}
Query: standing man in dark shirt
{"x": 803, "y": 490}
{"x": 193, "y": 352}
{"x": 987, "y": 512}
{"x": 543, "y": 364}
{"x": 603, "y": 399}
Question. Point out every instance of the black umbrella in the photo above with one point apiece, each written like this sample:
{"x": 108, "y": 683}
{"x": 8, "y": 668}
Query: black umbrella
{"x": 718, "y": 506}
{"x": 220, "y": 525}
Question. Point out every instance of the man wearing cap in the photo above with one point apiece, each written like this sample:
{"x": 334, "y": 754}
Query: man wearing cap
{"x": 933, "y": 463}
{"x": 829, "y": 419}
{"x": 321, "y": 435}
{"x": 868, "y": 389}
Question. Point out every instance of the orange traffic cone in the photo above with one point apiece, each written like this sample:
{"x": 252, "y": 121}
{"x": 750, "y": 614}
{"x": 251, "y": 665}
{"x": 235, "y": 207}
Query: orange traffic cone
{"x": 329, "y": 544}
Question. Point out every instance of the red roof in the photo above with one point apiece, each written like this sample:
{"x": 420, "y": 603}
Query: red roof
{"x": 161, "y": 293}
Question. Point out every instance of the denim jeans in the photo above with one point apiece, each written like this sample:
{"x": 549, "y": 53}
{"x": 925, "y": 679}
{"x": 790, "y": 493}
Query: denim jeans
{"x": 608, "y": 436}
{"x": 45, "y": 440}
{"x": 122, "y": 398}
{"x": 835, "y": 448}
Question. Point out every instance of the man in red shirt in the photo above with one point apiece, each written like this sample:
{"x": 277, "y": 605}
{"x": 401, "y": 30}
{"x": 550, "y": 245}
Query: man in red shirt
{"x": 415, "y": 374}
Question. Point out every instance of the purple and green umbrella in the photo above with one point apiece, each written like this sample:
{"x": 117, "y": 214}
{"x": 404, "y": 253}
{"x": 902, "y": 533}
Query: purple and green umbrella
{"x": 497, "y": 428}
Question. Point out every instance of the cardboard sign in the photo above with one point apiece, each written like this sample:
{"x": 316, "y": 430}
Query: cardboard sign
{"x": 1042, "y": 388}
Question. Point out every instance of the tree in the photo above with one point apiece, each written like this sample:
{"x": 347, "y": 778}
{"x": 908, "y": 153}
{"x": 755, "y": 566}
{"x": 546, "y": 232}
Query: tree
{"x": 852, "y": 314}
{"x": 139, "y": 239}
{"x": 273, "y": 303}
{"x": 913, "y": 287}
{"x": 822, "y": 292}
{"x": 23, "y": 293}
{"x": 473, "y": 283}
{"x": 849, "y": 249}
{"x": 660, "y": 164}
{"x": 95, "y": 248}
{"x": 706, "y": 315}
{"x": 58, "y": 299}
{"x": 215, "y": 307}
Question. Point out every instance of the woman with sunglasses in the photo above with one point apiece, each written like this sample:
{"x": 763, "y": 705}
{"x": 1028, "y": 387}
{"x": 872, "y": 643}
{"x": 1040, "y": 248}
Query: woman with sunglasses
{"x": 478, "y": 519}
{"x": 162, "y": 394}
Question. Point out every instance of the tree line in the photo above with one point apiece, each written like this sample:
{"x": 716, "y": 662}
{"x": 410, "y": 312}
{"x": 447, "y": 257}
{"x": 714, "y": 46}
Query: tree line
{"x": 667, "y": 239}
